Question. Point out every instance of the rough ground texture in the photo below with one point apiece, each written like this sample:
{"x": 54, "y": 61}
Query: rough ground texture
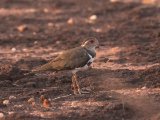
{"x": 125, "y": 87}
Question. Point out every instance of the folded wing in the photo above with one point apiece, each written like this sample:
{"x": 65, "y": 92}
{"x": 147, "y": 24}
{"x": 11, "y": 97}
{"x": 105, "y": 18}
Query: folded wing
{"x": 68, "y": 60}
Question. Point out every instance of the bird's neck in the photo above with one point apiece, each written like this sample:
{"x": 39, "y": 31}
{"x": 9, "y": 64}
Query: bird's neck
{"x": 91, "y": 51}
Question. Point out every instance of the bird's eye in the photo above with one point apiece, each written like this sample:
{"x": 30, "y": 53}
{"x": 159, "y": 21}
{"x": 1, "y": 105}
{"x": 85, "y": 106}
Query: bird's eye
{"x": 92, "y": 41}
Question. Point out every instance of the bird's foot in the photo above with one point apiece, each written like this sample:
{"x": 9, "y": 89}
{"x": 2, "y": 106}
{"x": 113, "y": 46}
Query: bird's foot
{"x": 82, "y": 91}
{"x": 77, "y": 93}
{"x": 75, "y": 90}
{"x": 86, "y": 90}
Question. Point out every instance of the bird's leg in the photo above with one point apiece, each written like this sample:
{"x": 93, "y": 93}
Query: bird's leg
{"x": 75, "y": 84}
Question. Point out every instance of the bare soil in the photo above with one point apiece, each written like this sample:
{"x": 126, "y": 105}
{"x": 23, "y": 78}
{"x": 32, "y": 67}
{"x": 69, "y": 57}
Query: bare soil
{"x": 124, "y": 81}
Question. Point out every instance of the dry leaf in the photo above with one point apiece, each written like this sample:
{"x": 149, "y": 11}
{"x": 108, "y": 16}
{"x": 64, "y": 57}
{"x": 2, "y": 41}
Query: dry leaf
{"x": 13, "y": 49}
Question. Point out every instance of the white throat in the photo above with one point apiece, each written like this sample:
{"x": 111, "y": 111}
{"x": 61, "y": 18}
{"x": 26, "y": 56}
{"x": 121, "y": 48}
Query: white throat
{"x": 93, "y": 49}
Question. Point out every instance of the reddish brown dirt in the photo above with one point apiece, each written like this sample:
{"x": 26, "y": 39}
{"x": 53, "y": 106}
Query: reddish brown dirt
{"x": 125, "y": 87}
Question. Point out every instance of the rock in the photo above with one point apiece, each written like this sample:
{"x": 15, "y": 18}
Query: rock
{"x": 2, "y": 117}
{"x": 24, "y": 50}
{"x": 70, "y": 21}
{"x": 45, "y": 10}
{"x": 6, "y": 102}
{"x": 93, "y": 17}
{"x": 12, "y": 97}
{"x": 50, "y": 24}
{"x": 143, "y": 88}
{"x": 10, "y": 113}
{"x": 35, "y": 42}
{"x": 13, "y": 49}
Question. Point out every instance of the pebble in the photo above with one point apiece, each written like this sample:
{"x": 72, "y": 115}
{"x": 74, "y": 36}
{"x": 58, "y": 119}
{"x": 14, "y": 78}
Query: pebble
{"x": 45, "y": 10}
{"x": 34, "y": 33}
{"x": 114, "y": 0}
{"x": 12, "y": 97}
{"x": 143, "y": 88}
{"x": 2, "y": 117}
{"x": 13, "y": 49}
{"x": 58, "y": 42}
{"x": 98, "y": 30}
{"x": 6, "y": 102}
{"x": 35, "y": 42}
{"x": 24, "y": 49}
{"x": 10, "y": 113}
{"x": 70, "y": 21}
{"x": 50, "y": 24}
{"x": 93, "y": 17}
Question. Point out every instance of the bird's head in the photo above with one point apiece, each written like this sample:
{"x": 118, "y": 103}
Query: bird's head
{"x": 90, "y": 43}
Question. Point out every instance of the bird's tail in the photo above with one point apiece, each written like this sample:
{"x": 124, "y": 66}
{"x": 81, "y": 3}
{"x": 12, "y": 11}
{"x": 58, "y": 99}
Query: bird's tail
{"x": 42, "y": 68}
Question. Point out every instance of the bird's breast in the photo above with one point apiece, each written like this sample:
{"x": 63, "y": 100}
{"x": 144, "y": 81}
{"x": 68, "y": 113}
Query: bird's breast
{"x": 90, "y": 60}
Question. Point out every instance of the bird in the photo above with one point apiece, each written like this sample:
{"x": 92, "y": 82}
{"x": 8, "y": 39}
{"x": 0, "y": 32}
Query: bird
{"x": 76, "y": 59}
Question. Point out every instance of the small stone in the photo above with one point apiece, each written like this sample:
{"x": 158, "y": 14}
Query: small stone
{"x": 10, "y": 113}
{"x": 143, "y": 88}
{"x": 35, "y": 42}
{"x": 138, "y": 90}
{"x": 12, "y": 97}
{"x": 93, "y": 17}
{"x": 6, "y": 102}
{"x": 2, "y": 117}
{"x": 50, "y": 24}
{"x": 58, "y": 42}
{"x": 13, "y": 49}
{"x": 98, "y": 30}
{"x": 34, "y": 33}
{"x": 70, "y": 21}
{"x": 24, "y": 49}
{"x": 22, "y": 28}
{"x": 114, "y": 0}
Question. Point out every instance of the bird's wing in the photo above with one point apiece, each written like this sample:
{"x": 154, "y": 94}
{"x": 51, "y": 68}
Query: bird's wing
{"x": 70, "y": 59}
